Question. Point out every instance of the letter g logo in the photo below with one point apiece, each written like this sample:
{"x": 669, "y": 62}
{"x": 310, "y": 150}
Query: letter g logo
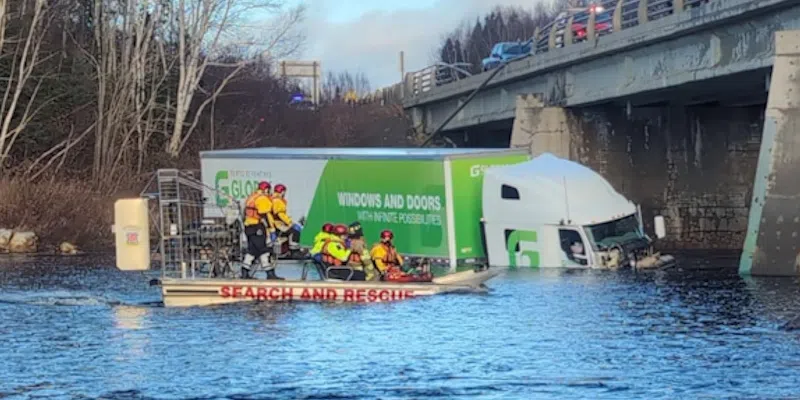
{"x": 220, "y": 185}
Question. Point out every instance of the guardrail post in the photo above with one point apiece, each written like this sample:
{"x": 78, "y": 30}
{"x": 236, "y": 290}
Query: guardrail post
{"x": 678, "y": 6}
{"x": 536, "y": 33}
{"x": 590, "y": 26}
{"x": 567, "y": 35}
{"x": 551, "y": 42}
{"x": 617, "y": 18}
{"x": 643, "y": 17}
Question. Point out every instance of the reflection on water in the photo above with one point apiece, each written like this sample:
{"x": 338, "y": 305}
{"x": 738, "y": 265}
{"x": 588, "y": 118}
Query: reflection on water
{"x": 85, "y": 330}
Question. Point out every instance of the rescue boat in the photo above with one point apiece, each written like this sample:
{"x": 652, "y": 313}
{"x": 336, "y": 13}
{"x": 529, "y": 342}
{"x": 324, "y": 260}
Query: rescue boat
{"x": 178, "y": 292}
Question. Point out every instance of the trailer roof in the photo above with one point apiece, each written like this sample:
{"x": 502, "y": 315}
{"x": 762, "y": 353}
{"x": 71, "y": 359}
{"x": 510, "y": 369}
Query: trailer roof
{"x": 414, "y": 153}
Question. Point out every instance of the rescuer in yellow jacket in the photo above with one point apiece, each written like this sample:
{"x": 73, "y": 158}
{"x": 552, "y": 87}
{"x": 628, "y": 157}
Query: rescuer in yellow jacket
{"x": 334, "y": 251}
{"x": 283, "y": 222}
{"x": 384, "y": 255}
{"x": 257, "y": 225}
{"x": 319, "y": 241}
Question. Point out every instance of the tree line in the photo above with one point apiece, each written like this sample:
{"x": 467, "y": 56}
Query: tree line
{"x": 111, "y": 89}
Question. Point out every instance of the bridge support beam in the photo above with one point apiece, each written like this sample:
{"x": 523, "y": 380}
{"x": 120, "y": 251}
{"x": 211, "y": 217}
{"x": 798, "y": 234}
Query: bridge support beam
{"x": 772, "y": 244}
{"x": 539, "y": 128}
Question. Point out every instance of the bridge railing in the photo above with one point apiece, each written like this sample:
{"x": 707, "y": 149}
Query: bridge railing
{"x": 567, "y": 29}
{"x": 435, "y": 75}
{"x": 624, "y": 14}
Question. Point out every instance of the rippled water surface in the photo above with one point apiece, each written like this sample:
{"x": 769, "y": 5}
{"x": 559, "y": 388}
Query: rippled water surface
{"x": 85, "y": 330}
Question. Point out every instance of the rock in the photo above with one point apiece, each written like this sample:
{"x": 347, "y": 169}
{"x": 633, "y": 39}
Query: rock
{"x": 5, "y": 239}
{"x": 23, "y": 242}
{"x": 68, "y": 248}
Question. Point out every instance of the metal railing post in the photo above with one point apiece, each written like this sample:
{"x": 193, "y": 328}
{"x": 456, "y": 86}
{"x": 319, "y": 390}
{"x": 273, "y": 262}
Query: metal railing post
{"x": 643, "y": 13}
{"x": 617, "y": 18}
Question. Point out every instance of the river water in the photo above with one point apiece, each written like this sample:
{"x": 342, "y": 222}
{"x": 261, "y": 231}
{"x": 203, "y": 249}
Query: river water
{"x": 86, "y": 330}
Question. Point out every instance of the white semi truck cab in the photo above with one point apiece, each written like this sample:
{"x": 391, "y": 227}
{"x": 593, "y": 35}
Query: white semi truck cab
{"x": 552, "y": 212}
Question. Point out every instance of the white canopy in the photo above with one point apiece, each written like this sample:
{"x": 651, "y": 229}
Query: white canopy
{"x": 551, "y": 189}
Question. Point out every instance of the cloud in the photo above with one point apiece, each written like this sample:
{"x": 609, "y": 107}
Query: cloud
{"x": 371, "y": 42}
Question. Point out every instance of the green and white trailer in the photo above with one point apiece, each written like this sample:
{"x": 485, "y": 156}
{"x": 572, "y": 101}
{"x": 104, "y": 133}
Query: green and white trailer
{"x": 430, "y": 198}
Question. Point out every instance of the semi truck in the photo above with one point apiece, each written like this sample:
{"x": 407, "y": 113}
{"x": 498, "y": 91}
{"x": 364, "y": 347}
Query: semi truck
{"x": 452, "y": 207}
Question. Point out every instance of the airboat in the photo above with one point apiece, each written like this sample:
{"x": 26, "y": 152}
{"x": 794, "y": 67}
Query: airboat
{"x": 200, "y": 258}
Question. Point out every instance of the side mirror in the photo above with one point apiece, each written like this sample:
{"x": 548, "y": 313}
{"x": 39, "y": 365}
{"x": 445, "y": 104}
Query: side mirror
{"x": 661, "y": 229}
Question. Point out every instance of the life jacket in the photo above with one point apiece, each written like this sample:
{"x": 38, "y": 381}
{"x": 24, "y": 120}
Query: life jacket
{"x": 358, "y": 247}
{"x": 390, "y": 256}
{"x": 279, "y": 207}
{"x": 319, "y": 241}
{"x": 329, "y": 258}
{"x": 355, "y": 257}
{"x": 251, "y": 214}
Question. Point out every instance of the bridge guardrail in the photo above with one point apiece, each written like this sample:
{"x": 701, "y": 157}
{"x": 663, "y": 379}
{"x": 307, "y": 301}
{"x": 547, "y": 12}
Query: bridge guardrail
{"x": 558, "y": 33}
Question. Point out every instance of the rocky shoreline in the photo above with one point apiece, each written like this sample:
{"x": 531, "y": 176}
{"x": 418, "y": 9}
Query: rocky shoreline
{"x": 27, "y": 242}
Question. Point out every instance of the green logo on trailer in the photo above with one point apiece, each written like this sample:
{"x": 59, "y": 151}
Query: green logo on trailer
{"x": 237, "y": 184}
{"x": 220, "y": 177}
{"x": 513, "y": 243}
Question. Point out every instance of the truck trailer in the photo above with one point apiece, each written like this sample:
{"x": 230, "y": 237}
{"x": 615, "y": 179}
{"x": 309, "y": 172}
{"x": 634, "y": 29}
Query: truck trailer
{"x": 430, "y": 198}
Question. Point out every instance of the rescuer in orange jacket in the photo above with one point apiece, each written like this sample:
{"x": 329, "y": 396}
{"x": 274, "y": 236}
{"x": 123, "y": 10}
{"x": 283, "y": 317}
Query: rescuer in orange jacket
{"x": 390, "y": 263}
{"x": 257, "y": 225}
{"x": 283, "y": 222}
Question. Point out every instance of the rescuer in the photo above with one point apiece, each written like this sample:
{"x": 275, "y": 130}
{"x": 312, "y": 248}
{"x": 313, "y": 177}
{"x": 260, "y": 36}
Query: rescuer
{"x": 390, "y": 263}
{"x": 359, "y": 256}
{"x": 283, "y": 222}
{"x": 325, "y": 233}
{"x": 336, "y": 254}
{"x": 257, "y": 225}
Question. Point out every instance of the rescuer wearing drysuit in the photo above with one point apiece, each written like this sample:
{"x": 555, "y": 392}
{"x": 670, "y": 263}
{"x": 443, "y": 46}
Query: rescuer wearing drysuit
{"x": 257, "y": 225}
{"x": 335, "y": 254}
{"x": 319, "y": 241}
{"x": 283, "y": 222}
{"x": 390, "y": 263}
{"x": 359, "y": 256}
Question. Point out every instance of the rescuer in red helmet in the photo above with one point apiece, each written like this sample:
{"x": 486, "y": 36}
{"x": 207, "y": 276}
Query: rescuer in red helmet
{"x": 384, "y": 255}
{"x": 258, "y": 224}
{"x": 390, "y": 263}
{"x": 283, "y": 223}
{"x": 334, "y": 252}
{"x": 325, "y": 233}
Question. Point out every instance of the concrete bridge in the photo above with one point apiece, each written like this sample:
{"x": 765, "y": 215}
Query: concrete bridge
{"x": 671, "y": 111}
{"x": 689, "y": 55}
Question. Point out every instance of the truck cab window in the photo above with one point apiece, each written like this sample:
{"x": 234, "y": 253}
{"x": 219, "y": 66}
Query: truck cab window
{"x": 572, "y": 245}
{"x": 509, "y": 192}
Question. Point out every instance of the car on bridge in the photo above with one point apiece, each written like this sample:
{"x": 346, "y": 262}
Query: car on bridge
{"x": 603, "y": 22}
{"x": 506, "y": 51}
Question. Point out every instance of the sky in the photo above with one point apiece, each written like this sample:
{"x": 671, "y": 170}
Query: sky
{"x": 367, "y": 35}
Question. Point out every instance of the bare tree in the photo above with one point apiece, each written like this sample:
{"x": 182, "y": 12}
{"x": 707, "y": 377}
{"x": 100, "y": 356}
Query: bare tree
{"x": 19, "y": 103}
{"x": 131, "y": 66}
{"x": 201, "y": 26}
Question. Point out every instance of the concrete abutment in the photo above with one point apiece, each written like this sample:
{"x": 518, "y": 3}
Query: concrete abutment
{"x": 693, "y": 164}
{"x": 773, "y": 236}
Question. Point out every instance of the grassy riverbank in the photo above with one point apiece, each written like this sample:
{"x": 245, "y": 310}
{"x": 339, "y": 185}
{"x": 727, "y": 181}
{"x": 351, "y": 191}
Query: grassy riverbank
{"x": 62, "y": 210}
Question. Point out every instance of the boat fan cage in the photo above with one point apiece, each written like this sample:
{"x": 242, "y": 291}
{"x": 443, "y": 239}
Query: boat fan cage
{"x": 189, "y": 245}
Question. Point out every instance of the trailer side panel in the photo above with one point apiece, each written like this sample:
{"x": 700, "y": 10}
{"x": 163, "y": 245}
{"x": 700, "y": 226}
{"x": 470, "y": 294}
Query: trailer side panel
{"x": 467, "y": 183}
{"x": 407, "y": 197}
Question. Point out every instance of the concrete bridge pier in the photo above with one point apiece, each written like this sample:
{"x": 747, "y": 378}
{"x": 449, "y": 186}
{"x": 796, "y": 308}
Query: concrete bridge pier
{"x": 539, "y": 128}
{"x": 772, "y": 244}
